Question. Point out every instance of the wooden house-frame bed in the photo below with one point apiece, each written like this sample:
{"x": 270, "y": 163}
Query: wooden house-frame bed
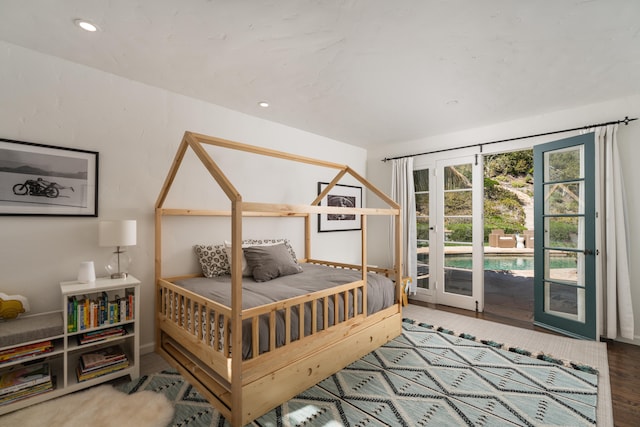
{"x": 243, "y": 389}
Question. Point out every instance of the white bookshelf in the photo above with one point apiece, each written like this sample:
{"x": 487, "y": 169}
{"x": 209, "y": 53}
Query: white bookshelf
{"x": 65, "y": 357}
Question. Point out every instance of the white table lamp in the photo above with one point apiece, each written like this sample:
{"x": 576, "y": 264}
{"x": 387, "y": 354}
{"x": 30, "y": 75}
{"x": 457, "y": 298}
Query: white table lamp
{"x": 118, "y": 234}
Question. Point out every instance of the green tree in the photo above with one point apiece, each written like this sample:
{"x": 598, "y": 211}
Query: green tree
{"x": 514, "y": 164}
{"x": 503, "y": 209}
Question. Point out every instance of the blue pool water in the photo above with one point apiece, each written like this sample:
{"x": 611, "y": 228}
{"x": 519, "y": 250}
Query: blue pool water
{"x": 506, "y": 262}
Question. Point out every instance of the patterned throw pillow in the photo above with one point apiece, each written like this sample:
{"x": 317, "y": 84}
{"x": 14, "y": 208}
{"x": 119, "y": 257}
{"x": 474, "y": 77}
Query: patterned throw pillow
{"x": 213, "y": 260}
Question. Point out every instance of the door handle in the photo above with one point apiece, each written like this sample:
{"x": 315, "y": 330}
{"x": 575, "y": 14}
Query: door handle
{"x": 587, "y": 252}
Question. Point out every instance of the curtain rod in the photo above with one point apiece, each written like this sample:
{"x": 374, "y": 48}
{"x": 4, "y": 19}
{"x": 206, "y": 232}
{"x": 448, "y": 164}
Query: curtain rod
{"x": 626, "y": 121}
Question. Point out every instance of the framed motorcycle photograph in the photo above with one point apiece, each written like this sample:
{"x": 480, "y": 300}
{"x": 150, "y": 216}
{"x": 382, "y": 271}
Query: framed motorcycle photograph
{"x": 39, "y": 179}
{"x": 346, "y": 196}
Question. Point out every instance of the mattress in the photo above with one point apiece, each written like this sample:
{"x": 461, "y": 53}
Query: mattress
{"x": 380, "y": 295}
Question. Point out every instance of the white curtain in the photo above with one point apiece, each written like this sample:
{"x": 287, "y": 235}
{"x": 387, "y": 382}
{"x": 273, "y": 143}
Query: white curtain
{"x": 613, "y": 259}
{"x": 402, "y": 191}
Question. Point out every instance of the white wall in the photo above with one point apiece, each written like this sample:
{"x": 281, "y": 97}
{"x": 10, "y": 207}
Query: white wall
{"x": 379, "y": 173}
{"x": 136, "y": 129}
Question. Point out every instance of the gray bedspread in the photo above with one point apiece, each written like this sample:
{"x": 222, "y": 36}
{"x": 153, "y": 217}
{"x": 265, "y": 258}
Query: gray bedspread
{"x": 380, "y": 295}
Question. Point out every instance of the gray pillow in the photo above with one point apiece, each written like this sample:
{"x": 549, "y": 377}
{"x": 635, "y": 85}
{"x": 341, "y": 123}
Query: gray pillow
{"x": 269, "y": 262}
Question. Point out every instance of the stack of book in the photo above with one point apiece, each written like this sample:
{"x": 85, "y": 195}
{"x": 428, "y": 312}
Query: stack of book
{"x": 23, "y": 351}
{"x": 24, "y": 381}
{"x": 101, "y": 362}
{"x": 101, "y": 335}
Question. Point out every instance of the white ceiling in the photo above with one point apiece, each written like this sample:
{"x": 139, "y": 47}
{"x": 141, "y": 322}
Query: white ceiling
{"x": 366, "y": 72}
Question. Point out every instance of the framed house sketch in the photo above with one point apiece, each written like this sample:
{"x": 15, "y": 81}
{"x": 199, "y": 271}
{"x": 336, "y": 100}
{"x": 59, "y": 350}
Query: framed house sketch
{"x": 38, "y": 179}
{"x": 345, "y": 196}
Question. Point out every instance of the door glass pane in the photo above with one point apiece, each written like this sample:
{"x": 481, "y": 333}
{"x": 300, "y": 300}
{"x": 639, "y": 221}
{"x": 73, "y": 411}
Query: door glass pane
{"x": 564, "y": 266}
{"x": 564, "y": 301}
{"x": 563, "y": 198}
{"x": 564, "y": 164}
{"x": 458, "y": 202}
{"x": 458, "y": 227}
{"x": 422, "y": 204}
{"x": 457, "y": 274}
{"x": 458, "y": 281}
{"x": 423, "y": 266}
{"x": 422, "y": 232}
{"x": 421, "y": 180}
{"x": 564, "y": 232}
{"x": 421, "y": 185}
{"x": 458, "y": 177}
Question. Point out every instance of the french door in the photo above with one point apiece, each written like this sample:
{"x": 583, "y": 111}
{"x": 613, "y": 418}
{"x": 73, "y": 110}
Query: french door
{"x": 458, "y": 232}
{"x": 449, "y": 225}
{"x": 564, "y": 239}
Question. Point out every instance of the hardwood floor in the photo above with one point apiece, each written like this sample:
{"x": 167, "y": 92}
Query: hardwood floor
{"x": 151, "y": 363}
{"x": 624, "y": 361}
{"x": 624, "y": 371}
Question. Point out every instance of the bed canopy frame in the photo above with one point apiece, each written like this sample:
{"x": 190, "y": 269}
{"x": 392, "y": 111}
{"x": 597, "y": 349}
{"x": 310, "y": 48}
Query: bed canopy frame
{"x": 245, "y": 389}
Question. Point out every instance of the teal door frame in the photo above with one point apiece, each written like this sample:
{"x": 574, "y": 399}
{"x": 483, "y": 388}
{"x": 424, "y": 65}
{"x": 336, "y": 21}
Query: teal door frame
{"x": 585, "y": 292}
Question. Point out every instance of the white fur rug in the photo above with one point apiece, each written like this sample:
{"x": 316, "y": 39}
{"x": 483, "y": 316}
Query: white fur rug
{"x": 101, "y": 406}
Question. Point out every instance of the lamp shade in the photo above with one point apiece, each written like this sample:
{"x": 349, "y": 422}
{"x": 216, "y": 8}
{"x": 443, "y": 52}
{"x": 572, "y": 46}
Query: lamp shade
{"x": 117, "y": 233}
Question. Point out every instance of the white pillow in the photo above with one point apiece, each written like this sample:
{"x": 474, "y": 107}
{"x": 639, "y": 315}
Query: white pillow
{"x": 246, "y": 271}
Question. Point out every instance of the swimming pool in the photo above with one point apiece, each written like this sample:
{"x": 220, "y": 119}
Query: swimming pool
{"x": 506, "y": 262}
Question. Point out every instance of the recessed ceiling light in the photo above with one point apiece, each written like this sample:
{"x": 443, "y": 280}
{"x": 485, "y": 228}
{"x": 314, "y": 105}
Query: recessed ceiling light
{"x": 263, "y": 104}
{"x": 86, "y": 25}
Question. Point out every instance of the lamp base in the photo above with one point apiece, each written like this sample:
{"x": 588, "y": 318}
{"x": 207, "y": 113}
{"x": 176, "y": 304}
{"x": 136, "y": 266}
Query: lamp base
{"x": 118, "y": 264}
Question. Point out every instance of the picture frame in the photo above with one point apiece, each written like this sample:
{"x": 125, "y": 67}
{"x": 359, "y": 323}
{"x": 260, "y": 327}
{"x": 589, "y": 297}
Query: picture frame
{"x": 45, "y": 180}
{"x": 340, "y": 195}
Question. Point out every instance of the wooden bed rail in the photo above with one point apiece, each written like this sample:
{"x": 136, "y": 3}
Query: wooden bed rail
{"x": 345, "y": 297}
{"x": 188, "y": 311}
{"x": 387, "y": 272}
{"x": 208, "y": 323}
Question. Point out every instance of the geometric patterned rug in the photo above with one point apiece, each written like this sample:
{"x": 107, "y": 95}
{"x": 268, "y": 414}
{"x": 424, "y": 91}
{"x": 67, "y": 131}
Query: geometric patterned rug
{"x": 423, "y": 377}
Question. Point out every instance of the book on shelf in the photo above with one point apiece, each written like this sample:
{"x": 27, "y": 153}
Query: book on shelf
{"x": 113, "y": 363}
{"x": 113, "y": 310}
{"x": 28, "y": 392}
{"x": 24, "y": 377}
{"x": 102, "y": 356}
{"x": 102, "y": 310}
{"x": 101, "y": 335}
{"x": 87, "y": 375}
{"x": 72, "y": 310}
{"x": 130, "y": 294}
{"x": 101, "y": 362}
{"x": 23, "y": 351}
{"x": 98, "y": 310}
